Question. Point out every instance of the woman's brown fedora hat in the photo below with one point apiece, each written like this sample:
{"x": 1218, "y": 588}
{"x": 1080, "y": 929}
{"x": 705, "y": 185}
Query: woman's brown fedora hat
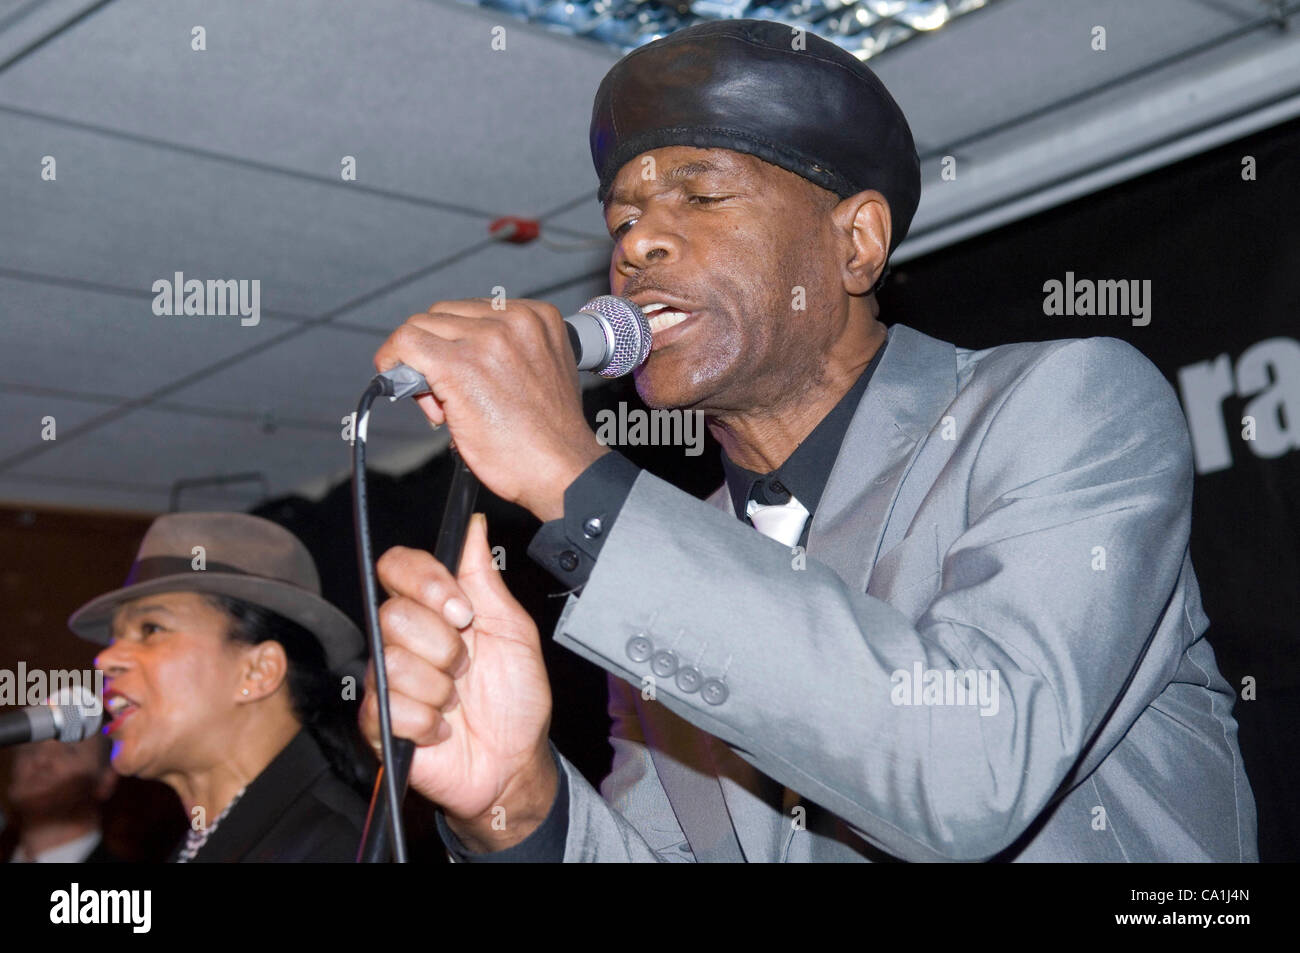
{"x": 243, "y": 556}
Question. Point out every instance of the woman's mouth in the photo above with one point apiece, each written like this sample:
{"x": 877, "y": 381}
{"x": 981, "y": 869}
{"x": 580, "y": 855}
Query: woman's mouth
{"x": 119, "y": 708}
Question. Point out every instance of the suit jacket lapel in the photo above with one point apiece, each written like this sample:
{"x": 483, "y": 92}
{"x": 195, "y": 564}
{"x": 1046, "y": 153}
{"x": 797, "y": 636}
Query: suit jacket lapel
{"x": 915, "y": 381}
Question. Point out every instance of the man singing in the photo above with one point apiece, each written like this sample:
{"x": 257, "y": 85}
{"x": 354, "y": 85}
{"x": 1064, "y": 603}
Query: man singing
{"x": 943, "y": 607}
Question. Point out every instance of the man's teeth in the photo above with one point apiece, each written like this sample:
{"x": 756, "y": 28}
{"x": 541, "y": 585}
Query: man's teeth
{"x": 660, "y": 316}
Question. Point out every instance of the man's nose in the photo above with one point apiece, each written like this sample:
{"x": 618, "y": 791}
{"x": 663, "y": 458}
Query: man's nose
{"x": 649, "y": 241}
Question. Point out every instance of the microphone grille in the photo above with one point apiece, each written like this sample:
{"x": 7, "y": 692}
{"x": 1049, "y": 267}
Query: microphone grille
{"x": 79, "y": 713}
{"x": 631, "y": 333}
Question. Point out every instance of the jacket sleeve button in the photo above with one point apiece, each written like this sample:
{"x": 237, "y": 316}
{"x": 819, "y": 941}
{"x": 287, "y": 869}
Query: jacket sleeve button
{"x": 688, "y": 678}
{"x": 714, "y": 691}
{"x": 664, "y": 663}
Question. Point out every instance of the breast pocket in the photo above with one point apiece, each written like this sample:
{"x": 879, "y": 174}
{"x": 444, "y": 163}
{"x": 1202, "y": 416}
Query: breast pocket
{"x": 907, "y": 574}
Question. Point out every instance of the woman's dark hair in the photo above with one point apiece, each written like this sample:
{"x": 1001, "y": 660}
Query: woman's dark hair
{"x": 314, "y": 693}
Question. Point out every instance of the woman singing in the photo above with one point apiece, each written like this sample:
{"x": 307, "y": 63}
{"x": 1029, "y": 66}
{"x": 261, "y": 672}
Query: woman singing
{"x": 218, "y": 661}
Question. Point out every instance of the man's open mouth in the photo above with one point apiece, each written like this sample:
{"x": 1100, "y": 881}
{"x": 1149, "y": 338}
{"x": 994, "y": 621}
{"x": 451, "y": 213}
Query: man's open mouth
{"x": 661, "y": 317}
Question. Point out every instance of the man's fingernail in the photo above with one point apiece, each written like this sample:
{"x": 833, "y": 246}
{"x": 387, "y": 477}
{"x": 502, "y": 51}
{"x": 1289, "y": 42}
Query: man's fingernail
{"x": 452, "y": 703}
{"x": 462, "y": 668}
{"x": 444, "y": 731}
{"x": 457, "y": 612}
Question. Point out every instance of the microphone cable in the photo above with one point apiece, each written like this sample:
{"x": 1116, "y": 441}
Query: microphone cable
{"x": 385, "y": 814}
{"x": 370, "y": 598}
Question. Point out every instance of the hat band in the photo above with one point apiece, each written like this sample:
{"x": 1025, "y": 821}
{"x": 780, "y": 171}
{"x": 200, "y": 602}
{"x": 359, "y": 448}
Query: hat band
{"x": 156, "y": 567}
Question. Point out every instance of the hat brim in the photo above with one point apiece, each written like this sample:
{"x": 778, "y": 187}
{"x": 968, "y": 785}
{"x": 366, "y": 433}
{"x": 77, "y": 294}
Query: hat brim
{"x": 338, "y": 634}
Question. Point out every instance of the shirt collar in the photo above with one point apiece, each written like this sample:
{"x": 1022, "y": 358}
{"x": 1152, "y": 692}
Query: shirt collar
{"x": 806, "y": 470}
{"x": 73, "y": 852}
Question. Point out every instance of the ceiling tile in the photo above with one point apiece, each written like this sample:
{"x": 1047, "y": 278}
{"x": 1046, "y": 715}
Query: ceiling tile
{"x": 158, "y": 448}
{"x": 1018, "y": 56}
{"x": 24, "y": 420}
{"x": 522, "y": 270}
{"x": 83, "y": 341}
{"x": 412, "y": 89}
{"x": 126, "y": 214}
{"x": 314, "y": 379}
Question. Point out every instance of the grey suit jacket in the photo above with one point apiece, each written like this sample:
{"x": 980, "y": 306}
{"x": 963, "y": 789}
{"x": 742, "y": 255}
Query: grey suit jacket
{"x": 993, "y": 648}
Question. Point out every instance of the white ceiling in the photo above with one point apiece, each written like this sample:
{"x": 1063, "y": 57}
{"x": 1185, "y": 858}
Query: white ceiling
{"x": 226, "y": 164}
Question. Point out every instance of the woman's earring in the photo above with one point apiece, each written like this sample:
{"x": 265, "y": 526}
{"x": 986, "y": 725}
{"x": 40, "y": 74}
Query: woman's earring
{"x": 245, "y": 691}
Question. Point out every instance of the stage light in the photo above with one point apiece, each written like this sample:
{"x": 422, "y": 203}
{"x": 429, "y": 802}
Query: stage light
{"x": 865, "y": 27}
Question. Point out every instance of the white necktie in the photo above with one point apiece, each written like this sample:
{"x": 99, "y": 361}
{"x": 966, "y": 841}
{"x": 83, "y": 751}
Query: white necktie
{"x": 782, "y": 522}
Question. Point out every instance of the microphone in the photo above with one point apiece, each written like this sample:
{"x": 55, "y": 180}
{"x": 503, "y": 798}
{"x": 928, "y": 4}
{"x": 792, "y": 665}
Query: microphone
{"x": 609, "y": 335}
{"x": 73, "y": 715}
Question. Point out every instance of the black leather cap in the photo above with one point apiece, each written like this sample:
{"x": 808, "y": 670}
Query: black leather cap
{"x": 743, "y": 85}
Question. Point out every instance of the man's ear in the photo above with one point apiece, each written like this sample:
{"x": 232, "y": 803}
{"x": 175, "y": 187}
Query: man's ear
{"x": 863, "y": 225}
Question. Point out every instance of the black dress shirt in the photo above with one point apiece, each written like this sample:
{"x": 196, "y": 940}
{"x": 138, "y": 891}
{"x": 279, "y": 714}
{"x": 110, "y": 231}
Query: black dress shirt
{"x": 806, "y": 470}
{"x": 569, "y": 547}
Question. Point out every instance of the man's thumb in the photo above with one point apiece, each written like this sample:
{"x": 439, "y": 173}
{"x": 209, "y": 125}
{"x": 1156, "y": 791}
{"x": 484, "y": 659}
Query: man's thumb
{"x": 479, "y": 573}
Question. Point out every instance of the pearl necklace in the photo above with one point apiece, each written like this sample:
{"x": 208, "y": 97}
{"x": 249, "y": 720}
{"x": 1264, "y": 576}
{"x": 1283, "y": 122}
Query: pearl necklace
{"x": 194, "y": 840}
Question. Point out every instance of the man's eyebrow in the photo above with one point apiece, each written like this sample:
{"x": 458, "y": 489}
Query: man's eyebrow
{"x": 688, "y": 169}
{"x": 677, "y": 173}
